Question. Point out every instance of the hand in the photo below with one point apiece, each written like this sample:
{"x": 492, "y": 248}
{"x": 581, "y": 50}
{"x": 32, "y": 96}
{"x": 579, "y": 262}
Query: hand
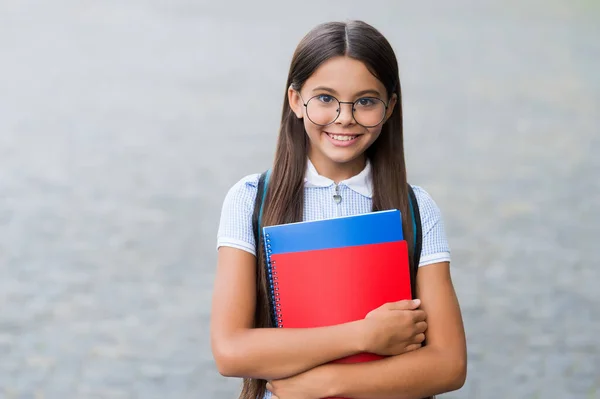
{"x": 311, "y": 384}
{"x": 395, "y": 328}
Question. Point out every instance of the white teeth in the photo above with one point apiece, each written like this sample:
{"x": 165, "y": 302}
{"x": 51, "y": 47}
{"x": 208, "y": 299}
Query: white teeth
{"x": 342, "y": 138}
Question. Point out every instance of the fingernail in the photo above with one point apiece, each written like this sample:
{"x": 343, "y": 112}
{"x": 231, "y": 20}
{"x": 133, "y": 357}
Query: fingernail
{"x": 417, "y": 302}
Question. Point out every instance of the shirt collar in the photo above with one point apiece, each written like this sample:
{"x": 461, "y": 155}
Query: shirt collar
{"x": 361, "y": 183}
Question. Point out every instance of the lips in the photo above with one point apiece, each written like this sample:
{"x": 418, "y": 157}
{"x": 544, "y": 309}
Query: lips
{"x": 342, "y": 140}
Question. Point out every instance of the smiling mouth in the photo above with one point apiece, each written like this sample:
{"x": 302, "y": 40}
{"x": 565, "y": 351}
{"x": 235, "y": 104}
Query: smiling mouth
{"x": 342, "y": 137}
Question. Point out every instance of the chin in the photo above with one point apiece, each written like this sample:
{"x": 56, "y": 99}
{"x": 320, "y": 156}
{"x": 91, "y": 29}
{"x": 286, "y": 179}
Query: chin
{"x": 342, "y": 158}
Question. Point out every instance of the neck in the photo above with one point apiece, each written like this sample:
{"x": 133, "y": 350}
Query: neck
{"x": 338, "y": 171}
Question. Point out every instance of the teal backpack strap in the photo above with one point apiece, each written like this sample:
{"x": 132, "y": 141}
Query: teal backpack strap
{"x": 418, "y": 235}
{"x": 261, "y": 193}
{"x": 416, "y": 220}
{"x": 262, "y": 201}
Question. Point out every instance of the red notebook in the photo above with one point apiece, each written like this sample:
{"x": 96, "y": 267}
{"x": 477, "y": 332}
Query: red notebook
{"x": 334, "y": 271}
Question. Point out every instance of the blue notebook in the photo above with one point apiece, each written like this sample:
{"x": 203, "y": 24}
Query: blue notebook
{"x": 369, "y": 228}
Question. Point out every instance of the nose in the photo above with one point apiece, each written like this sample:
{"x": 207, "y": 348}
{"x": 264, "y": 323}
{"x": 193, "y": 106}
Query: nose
{"x": 345, "y": 117}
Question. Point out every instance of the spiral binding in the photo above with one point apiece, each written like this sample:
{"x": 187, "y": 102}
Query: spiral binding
{"x": 273, "y": 284}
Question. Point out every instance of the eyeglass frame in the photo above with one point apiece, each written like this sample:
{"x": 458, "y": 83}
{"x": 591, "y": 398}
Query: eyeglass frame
{"x": 386, "y": 105}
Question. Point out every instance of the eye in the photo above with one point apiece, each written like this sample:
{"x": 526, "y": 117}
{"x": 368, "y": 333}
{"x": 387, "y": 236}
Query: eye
{"x": 365, "y": 102}
{"x": 325, "y": 98}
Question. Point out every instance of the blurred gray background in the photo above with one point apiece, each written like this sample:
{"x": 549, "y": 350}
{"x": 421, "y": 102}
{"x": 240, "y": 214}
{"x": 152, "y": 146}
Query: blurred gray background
{"x": 124, "y": 123}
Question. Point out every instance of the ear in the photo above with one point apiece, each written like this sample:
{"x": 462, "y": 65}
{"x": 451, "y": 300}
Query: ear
{"x": 296, "y": 103}
{"x": 391, "y": 107}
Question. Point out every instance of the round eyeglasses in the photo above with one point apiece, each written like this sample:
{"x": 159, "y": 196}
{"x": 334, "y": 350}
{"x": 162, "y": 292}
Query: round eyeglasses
{"x": 324, "y": 109}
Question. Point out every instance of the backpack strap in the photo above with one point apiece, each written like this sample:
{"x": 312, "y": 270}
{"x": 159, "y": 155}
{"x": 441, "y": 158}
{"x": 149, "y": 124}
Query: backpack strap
{"x": 261, "y": 191}
{"x": 418, "y": 238}
{"x": 416, "y": 218}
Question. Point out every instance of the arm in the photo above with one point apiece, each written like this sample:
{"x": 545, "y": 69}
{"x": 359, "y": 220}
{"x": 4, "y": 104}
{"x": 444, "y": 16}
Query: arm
{"x": 266, "y": 353}
{"x": 438, "y": 367}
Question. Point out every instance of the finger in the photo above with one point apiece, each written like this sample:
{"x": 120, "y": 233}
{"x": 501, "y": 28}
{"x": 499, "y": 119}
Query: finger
{"x": 412, "y": 347}
{"x": 405, "y": 304}
{"x": 421, "y": 327}
{"x": 419, "y": 315}
{"x": 419, "y": 338}
{"x": 269, "y": 386}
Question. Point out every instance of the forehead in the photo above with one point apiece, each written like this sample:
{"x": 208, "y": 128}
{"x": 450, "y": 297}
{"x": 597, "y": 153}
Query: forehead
{"x": 346, "y": 76}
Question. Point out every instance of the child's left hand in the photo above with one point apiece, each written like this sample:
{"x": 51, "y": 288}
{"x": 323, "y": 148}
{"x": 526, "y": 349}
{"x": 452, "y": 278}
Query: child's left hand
{"x": 308, "y": 385}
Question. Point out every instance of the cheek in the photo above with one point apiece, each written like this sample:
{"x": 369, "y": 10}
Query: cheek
{"x": 311, "y": 129}
{"x": 374, "y": 133}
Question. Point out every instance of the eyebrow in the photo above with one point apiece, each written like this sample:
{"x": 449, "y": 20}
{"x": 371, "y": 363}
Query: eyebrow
{"x": 360, "y": 93}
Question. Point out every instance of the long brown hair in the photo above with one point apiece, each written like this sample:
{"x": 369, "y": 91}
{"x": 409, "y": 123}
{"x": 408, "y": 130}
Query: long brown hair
{"x": 285, "y": 195}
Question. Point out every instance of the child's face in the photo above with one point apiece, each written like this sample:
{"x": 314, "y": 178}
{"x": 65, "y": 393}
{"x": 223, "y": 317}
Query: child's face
{"x": 345, "y": 140}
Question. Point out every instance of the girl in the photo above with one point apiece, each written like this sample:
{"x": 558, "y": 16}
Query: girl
{"x": 341, "y": 136}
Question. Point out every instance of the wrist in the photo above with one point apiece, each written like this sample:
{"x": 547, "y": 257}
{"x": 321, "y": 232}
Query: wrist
{"x": 329, "y": 380}
{"x": 359, "y": 336}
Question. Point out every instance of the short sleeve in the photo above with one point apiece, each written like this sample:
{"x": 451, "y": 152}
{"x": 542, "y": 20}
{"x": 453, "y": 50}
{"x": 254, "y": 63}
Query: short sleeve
{"x": 435, "y": 246}
{"x": 235, "y": 225}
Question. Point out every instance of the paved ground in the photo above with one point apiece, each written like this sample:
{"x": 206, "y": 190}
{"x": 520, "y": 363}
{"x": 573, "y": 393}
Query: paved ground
{"x": 122, "y": 124}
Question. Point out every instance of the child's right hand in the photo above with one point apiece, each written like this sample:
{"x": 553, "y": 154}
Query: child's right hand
{"x": 395, "y": 328}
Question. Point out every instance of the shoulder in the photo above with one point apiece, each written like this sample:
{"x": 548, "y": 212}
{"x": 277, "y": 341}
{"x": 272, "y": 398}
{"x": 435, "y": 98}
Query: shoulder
{"x": 246, "y": 183}
{"x": 435, "y": 243}
{"x": 235, "y": 226}
{"x": 240, "y": 197}
{"x": 427, "y": 205}
{"x": 243, "y": 190}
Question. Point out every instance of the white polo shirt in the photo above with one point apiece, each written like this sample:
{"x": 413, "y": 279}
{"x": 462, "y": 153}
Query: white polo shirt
{"x": 235, "y": 227}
